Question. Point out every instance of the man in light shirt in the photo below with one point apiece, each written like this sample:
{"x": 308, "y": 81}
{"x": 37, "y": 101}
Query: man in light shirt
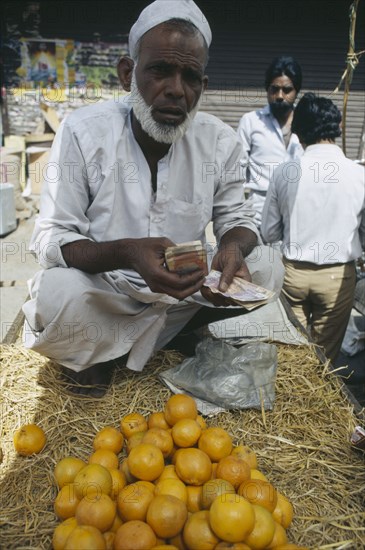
{"x": 316, "y": 206}
{"x": 130, "y": 179}
{"x": 266, "y": 134}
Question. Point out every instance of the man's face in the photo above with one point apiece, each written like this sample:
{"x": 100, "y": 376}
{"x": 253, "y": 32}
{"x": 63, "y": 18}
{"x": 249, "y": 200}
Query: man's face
{"x": 281, "y": 95}
{"x": 169, "y": 77}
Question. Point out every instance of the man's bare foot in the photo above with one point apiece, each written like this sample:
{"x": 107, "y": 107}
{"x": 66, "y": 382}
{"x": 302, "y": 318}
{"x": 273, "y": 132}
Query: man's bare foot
{"x": 92, "y": 382}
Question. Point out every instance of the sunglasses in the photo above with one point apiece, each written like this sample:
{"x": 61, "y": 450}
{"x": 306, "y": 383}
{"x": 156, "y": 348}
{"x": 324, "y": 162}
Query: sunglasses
{"x": 276, "y": 89}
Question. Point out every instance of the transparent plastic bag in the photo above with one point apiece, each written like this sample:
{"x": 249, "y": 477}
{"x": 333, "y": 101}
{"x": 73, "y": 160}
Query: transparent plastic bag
{"x": 229, "y": 377}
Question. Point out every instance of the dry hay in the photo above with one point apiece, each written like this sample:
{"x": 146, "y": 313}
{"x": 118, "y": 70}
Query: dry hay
{"x": 302, "y": 446}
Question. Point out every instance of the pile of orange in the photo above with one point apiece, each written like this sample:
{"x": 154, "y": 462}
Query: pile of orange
{"x": 169, "y": 482}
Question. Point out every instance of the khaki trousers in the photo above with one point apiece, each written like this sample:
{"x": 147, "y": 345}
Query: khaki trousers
{"x": 321, "y": 297}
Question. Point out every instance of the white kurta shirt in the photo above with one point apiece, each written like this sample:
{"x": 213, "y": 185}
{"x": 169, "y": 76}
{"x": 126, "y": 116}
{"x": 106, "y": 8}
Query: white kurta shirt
{"x": 98, "y": 184}
{"x": 316, "y": 206}
{"x": 264, "y": 147}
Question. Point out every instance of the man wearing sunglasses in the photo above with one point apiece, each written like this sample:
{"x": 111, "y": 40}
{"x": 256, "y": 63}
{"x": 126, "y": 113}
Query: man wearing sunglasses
{"x": 266, "y": 133}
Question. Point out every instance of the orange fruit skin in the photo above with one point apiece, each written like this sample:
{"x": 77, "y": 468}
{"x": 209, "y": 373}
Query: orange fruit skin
{"x": 85, "y": 537}
{"x": 257, "y": 474}
{"x": 161, "y": 438}
{"x": 29, "y": 439}
{"x": 263, "y": 531}
{"x": 260, "y": 492}
{"x": 146, "y": 462}
{"x": 132, "y": 423}
{"x": 215, "y": 442}
{"x": 66, "y": 470}
{"x": 109, "y": 537}
{"x": 232, "y": 546}
{"x": 61, "y": 532}
{"x": 168, "y": 472}
{"x": 98, "y": 511}
{"x": 135, "y": 439}
{"x": 231, "y": 517}
{"x": 245, "y": 453}
{"x": 105, "y": 457}
{"x": 193, "y": 466}
{"x": 173, "y": 487}
{"x": 194, "y": 497}
{"x": 118, "y": 481}
{"x": 133, "y": 501}
{"x": 157, "y": 420}
{"x": 214, "y": 488}
{"x": 233, "y": 469}
{"x": 166, "y": 515}
{"x": 93, "y": 479}
{"x": 197, "y": 532}
{"x": 186, "y": 432}
{"x": 109, "y": 438}
{"x": 279, "y": 538}
{"x": 124, "y": 468}
{"x": 283, "y": 511}
{"x": 134, "y": 535}
{"x": 66, "y": 502}
{"x": 180, "y": 406}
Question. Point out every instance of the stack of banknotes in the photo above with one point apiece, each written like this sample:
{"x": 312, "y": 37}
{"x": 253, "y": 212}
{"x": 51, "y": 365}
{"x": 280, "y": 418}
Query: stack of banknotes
{"x": 186, "y": 257}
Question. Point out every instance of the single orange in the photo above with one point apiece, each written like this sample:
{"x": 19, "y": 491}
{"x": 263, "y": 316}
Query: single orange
{"x": 245, "y": 453}
{"x": 263, "y": 530}
{"x": 85, "y": 537}
{"x": 29, "y": 439}
{"x": 194, "y": 497}
{"x": 233, "y": 469}
{"x": 66, "y": 502}
{"x": 279, "y": 537}
{"x": 193, "y": 466}
{"x": 157, "y": 420}
{"x": 201, "y": 421}
{"x": 166, "y": 515}
{"x": 66, "y": 470}
{"x": 197, "y": 532}
{"x": 93, "y": 479}
{"x": 257, "y": 474}
{"x": 98, "y": 511}
{"x": 216, "y": 442}
{"x": 105, "y": 458}
{"x": 109, "y": 438}
{"x": 232, "y": 517}
{"x": 168, "y": 472}
{"x": 259, "y": 492}
{"x": 148, "y": 484}
{"x": 214, "y": 488}
{"x": 116, "y": 523}
{"x": 146, "y": 461}
{"x": 132, "y": 423}
{"x": 124, "y": 468}
{"x": 133, "y": 440}
{"x": 161, "y": 438}
{"x": 186, "y": 432}
{"x": 61, "y": 532}
{"x": 283, "y": 511}
{"x": 118, "y": 481}
{"x": 180, "y": 406}
{"x": 134, "y": 535}
{"x": 173, "y": 487}
{"x": 133, "y": 501}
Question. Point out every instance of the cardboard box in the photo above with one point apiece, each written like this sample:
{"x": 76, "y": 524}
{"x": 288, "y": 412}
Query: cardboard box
{"x": 37, "y": 167}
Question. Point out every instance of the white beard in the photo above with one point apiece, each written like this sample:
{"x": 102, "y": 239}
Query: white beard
{"x": 162, "y": 133}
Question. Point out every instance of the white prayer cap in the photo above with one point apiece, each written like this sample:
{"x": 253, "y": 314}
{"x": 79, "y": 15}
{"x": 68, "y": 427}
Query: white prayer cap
{"x": 161, "y": 11}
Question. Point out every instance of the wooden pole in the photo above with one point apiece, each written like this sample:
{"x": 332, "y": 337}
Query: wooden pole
{"x": 351, "y": 64}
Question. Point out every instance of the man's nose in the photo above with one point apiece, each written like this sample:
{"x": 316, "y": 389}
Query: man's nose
{"x": 279, "y": 95}
{"x": 175, "y": 85}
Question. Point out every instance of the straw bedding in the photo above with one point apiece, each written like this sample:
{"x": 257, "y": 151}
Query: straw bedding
{"x": 302, "y": 445}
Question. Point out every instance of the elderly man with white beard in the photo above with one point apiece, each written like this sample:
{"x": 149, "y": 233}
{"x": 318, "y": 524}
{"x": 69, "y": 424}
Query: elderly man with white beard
{"x": 126, "y": 180}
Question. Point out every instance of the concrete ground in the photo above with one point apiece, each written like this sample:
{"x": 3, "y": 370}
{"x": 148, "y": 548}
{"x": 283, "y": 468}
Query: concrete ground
{"x": 18, "y": 265}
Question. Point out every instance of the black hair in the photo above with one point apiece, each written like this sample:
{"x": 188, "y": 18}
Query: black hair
{"x": 284, "y": 65}
{"x": 316, "y": 118}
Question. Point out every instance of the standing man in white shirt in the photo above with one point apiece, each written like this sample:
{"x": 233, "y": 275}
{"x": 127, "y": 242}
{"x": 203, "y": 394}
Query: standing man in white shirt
{"x": 316, "y": 206}
{"x": 266, "y": 134}
{"x": 127, "y": 179}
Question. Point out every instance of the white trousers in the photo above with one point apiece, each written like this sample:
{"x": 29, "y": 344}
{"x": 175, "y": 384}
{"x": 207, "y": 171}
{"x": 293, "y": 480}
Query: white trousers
{"x": 79, "y": 320}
